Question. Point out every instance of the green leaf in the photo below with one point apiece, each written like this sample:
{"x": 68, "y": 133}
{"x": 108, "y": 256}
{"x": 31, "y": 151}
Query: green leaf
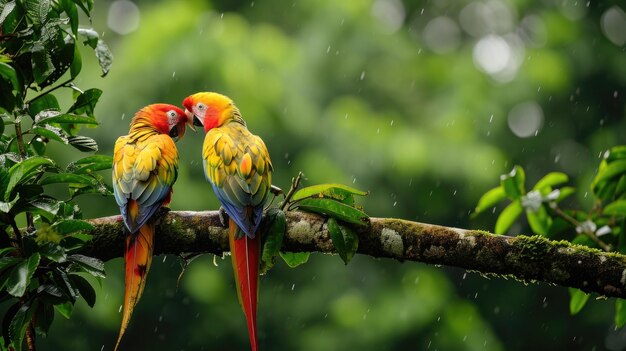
{"x": 44, "y": 315}
{"x": 508, "y": 217}
{"x": 565, "y": 192}
{"x": 539, "y": 221}
{"x": 513, "y": 183}
{"x": 52, "y": 132}
{"x": 6, "y": 262}
{"x": 620, "y": 313}
{"x": 90, "y": 35}
{"x": 86, "y": 102}
{"x": 53, "y": 252}
{"x": 616, "y": 208}
{"x": 490, "y": 198}
{"x": 42, "y": 66}
{"x": 21, "y": 275}
{"x": 616, "y": 153}
{"x": 62, "y": 118}
{"x": 19, "y": 323}
{"x": 65, "y": 309}
{"x": 90, "y": 265}
{"x": 577, "y": 300}
{"x": 77, "y": 62}
{"x": 37, "y": 10}
{"x": 294, "y": 259}
{"x": 67, "y": 178}
{"x": 550, "y": 180}
{"x": 339, "y": 192}
{"x": 345, "y": 241}
{"x": 7, "y": 250}
{"x": 335, "y": 209}
{"x": 8, "y": 72}
{"x": 273, "y": 239}
{"x": 86, "y": 6}
{"x": 609, "y": 171}
{"x": 104, "y": 56}
{"x": 43, "y": 205}
{"x": 83, "y": 143}
{"x": 46, "y": 104}
{"x": 71, "y": 226}
{"x": 85, "y": 289}
{"x": 23, "y": 171}
{"x": 72, "y": 13}
{"x": 6, "y": 10}
{"x": 90, "y": 164}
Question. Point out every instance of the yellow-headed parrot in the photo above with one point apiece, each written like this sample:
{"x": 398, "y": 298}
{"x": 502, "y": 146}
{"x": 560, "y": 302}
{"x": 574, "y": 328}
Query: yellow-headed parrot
{"x": 237, "y": 164}
{"x": 145, "y": 167}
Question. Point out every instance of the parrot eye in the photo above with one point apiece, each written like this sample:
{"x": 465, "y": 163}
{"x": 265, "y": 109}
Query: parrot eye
{"x": 201, "y": 106}
{"x": 172, "y": 116}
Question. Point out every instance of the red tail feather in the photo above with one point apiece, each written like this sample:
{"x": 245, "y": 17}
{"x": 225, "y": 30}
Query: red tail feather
{"x": 245, "y": 257}
{"x": 138, "y": 258}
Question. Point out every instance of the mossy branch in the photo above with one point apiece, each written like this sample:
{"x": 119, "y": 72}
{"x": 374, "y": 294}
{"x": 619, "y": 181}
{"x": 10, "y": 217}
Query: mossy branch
{"x": 525, "y": 258}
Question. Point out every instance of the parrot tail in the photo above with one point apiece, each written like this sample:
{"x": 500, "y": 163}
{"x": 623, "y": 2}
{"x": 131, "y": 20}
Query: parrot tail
{"x": 138, "y": 258}
{"x": 245, "y": 257}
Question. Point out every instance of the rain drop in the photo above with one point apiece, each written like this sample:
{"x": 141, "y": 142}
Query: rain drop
{"x": 173, "y": 74}
{"x": 123, "y": 115}
{"x": 328, "y": 49}
{"x": 391, "y": 124}
{"x": 222, "y": 15}
{"x": 293, "y": 287}
{"x": 119, "y": 309}
{"x": 362, "y": 75}
{"x": 395, "y": 203}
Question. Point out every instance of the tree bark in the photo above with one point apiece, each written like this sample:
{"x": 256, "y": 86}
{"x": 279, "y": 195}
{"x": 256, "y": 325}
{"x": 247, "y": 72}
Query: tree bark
{"x": 524, "y": 258}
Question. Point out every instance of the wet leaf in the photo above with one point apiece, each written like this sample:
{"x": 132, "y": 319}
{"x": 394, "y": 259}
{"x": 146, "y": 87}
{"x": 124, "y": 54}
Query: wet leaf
{"x": 83, "y": 143}
{"x": 577, "y": 301}
{"x": 345, "y": 241}
{"x": 620, "y": 313}
{"x": 104, "y": 56}
{"x": 508, "y": 217}
{"x": 53, "y": 252}
{"x": 90, "y": 265}
{"x": 513, "y": 183}
{"x": 273, "y": 240}
{"x": 86, "y": 102}
{"x": 71, "y": 226}
{"x": 550, "y": 180}
{"x": 338, "y": 192}
{"x": 490, "y": 198}
{"x": 23, "y": 171}
{"x": 609, "y": 171}
{"x": 616, "y": 208}
{"x": 67, "y": 178}
{"x": 65, "y": 118}
{"x": 21, "y": 275}
{"x": 90, "y": 164}
{"x": 52, "y": 132}
{"x": 19, "y": 323}
{"x": 65, "y": 309}
{"x": 44, "y": 315}
{"x": 294, "y": 259}
{"x": 539, "y": 220}
{"x": 85, "y": 289}
{"x": 616, "y": 153}
{"x": 335, "y": 209}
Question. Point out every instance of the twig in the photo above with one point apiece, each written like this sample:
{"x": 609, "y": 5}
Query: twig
{"x": 606, "y": 247}
{"x": 295, "y": 183}
{"x": 64, "y": 84}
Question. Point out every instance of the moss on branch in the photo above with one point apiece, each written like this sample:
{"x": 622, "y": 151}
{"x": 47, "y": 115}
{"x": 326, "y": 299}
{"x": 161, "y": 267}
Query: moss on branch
{"x": 524, "y": 258}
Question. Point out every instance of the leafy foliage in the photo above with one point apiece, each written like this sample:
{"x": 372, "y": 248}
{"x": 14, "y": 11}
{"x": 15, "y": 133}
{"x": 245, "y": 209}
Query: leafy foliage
{"x": 603, "y": 226}
{"x": 40, "y": 268}
{"x": 335, "y": 201}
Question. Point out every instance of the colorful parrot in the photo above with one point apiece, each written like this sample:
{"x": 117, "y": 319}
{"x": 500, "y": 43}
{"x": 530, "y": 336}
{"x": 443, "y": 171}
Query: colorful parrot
{"x": 145, "y": 167}
{"x": 237, "y": 164}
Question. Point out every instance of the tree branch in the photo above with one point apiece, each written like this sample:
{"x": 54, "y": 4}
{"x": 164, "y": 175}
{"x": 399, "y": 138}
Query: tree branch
{"x": 524, "y": 258}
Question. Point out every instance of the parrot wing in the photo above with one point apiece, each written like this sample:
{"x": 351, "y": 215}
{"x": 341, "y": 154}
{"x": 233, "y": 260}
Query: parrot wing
{"x": 238, "y": 166}
{"x": 143, "y": 172}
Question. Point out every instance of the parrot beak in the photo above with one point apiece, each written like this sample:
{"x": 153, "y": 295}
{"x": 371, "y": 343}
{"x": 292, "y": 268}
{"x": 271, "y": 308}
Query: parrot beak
{"x": 190, "y": 120}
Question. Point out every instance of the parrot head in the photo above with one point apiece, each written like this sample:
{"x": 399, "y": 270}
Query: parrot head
{"x": 166, "y": 119}
{"x": 210, "y": 109}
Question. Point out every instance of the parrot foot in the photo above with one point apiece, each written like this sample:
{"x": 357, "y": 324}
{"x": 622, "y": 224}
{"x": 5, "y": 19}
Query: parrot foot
{"x": 223, "y": 217}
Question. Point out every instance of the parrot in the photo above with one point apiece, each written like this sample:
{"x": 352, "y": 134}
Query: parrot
{"x": 145, "y": 167}
{"x": 238, "y": 166}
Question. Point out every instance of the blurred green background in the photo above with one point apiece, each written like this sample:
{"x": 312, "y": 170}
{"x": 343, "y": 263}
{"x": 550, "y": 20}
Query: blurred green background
{"x": 423, "y": 103}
